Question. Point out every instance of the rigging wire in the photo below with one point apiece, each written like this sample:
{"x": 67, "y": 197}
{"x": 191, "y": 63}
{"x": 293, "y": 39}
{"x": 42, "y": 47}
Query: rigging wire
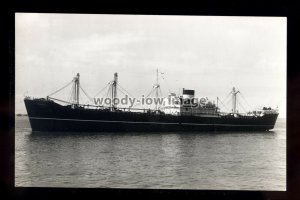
{"x": 150, "y": 92}
{"x": 124, "y": 89}
{"x": 160, "y": 92}
{"x": 164, "y": 79}
{"x": 85, "y": 93}
{"x": 71, "y": 94}
{"x": 226, "y": 99}
{"x": 242, "y": 107}
{"x": 61, "y": 89}
{"x": 224, "y": 105}
{"x": 102, "y": 89}
{"x": 160, "y": 96}
{"x": 145, "y": 97}
{"x": 109, "y": 89}
{"x": 80, "y": 99}
{"x": 122, "y": 92}
{"x": 246, "y": 101}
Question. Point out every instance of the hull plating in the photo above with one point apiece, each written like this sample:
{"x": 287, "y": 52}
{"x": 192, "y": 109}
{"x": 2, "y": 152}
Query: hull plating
{"x": 50, "y": 116}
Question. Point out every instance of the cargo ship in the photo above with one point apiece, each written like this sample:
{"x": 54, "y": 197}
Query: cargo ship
{"x": 177, "y": 112}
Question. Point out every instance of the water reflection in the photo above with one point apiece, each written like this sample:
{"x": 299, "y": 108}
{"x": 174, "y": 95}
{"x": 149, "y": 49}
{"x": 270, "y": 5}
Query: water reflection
{"x": 212, "y": 160}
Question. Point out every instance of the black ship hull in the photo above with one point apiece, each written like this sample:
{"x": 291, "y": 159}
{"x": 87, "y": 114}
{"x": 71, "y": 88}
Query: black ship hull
{"x": 45, "y": 115}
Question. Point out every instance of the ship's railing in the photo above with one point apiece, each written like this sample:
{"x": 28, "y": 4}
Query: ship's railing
{"x": 144, "y": 110}
{"x": 34, "y": 98}
{"x": 239, "y": 114}
{"x": 90, "y": 106}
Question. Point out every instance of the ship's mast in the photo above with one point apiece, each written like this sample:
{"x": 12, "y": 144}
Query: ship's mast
{"x": 114, "y": 90}
{"x": 156, "y": 92}
{"x": 234, "y": 93}
{"x": 76, "y": 89}
{"x": 156, "y": 86}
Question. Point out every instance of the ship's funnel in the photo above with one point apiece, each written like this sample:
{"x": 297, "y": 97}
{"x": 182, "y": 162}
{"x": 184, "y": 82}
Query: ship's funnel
{"x": 188, "y": 94}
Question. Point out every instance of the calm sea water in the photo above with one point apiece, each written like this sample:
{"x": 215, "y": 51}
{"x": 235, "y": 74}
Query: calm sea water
{"x": 217, "y": 161}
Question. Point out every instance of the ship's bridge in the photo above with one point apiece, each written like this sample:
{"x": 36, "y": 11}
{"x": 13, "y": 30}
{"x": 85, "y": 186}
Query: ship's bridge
{"x": 187, "y": 105}
{"x": 188, "y": 94}
{"x": 171, "y": 104}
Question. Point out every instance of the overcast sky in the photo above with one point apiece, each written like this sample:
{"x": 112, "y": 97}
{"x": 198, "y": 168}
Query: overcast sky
{"x": 210, "y": 54}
